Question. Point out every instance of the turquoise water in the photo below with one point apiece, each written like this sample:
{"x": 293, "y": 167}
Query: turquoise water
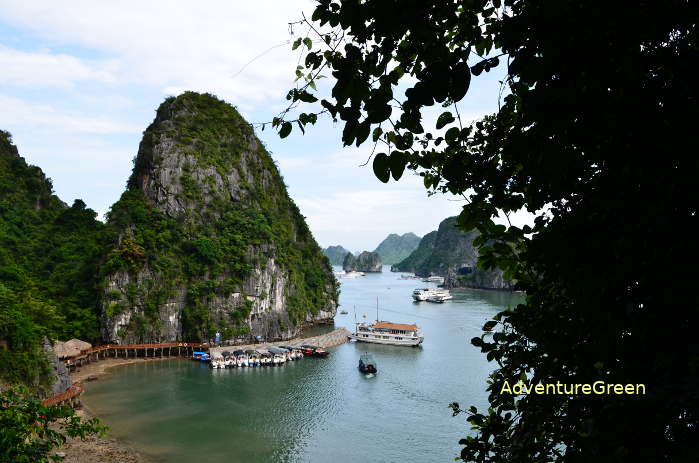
{"x": 316, "y": 410}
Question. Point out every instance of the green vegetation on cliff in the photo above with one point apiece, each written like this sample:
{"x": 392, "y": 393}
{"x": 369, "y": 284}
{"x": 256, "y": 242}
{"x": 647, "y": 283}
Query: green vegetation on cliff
{"x": 335, "y": 254}
{"x": 395, "y": 247}
{"x": 48, "y": 261}
{"x": 419, "y": 256}
{"x": 225, "y": 214}
{"x": 450, "y": 252}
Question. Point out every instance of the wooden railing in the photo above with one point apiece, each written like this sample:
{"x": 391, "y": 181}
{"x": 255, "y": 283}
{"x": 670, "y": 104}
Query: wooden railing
{"x": 163, "y": 345}
{"x": 73, "y": 391}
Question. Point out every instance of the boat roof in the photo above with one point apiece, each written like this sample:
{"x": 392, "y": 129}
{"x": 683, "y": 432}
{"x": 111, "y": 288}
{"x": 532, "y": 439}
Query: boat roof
{"x": 395, "y": 326}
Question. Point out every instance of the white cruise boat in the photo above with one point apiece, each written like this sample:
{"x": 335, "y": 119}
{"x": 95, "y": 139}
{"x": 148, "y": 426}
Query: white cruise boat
{"x": 353, "y": 274}
{"x": 423, "y": 294}
{"x": 382, "y": 332}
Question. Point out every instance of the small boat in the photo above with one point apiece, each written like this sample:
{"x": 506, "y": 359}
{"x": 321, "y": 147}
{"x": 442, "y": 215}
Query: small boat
{"x": 294, "y": 352}
{"x": 280, "y": 356}
{"x": 241, "y": 358}
{"x": 265, "y": 358}
{"x": 253, "y": 358}
{"x": 217, "y": 362}
{"x": 314, "y": 351}
{"x": 367, "y": 364}
{"x": 343, "y": 312}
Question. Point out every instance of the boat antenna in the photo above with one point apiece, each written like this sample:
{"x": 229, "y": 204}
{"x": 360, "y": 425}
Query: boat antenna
{"x": 355, "y": 314}
{"x": 377, "y": 309}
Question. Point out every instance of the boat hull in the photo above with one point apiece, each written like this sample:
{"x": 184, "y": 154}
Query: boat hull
{"x": 392, "y": 342}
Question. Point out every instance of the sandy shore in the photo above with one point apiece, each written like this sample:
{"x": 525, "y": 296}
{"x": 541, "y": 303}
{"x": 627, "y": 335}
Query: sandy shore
{"x": 100, "y": 449}
{"x": 109, "y": 450}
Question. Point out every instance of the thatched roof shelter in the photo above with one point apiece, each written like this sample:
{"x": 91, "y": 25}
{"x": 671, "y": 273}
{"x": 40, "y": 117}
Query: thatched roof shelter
{"x": 70, "y": 348}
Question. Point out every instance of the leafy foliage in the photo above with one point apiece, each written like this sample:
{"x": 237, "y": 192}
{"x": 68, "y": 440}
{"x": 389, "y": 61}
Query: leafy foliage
{"x": 592, "y": 137}
{"x": 28, "y": 431}
{"x": 49, "y": 254}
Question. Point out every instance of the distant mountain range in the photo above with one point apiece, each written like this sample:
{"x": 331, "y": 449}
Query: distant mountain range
{"x": 336, "y": 254}
{"x": 395, "y": 247}
{"x": 449, "y": 252}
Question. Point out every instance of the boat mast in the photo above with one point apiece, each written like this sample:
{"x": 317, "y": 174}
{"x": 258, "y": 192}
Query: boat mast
{"x": 377, "y": 309}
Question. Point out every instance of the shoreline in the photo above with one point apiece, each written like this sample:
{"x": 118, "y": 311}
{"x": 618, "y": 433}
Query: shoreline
{"x": 95, "y": 449}
{"x": 108, "y": 449}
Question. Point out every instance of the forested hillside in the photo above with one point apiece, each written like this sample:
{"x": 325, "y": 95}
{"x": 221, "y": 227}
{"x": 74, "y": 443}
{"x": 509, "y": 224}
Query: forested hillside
{"x": 49, "y": 253}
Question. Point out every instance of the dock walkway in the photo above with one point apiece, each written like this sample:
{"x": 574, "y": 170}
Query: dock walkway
{"x": 333, "y": 338}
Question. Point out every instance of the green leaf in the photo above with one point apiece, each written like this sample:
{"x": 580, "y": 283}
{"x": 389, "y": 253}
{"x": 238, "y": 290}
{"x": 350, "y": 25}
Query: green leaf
{"x": 377, "y": 133}
{"x": 397, "y": 162}
{"x": 285, "y": 130}
{"x": 489, "y": 325}
{"x": 296, "y": 44}
{"x": 308, "y": 42}
{"x": 381, "y": 167}
{"x": 444, "y": 119}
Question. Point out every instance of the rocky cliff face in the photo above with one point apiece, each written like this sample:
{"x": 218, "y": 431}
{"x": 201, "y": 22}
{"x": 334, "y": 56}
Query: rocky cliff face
{"x": 395, "y": 247}
{"x": 335, "y": 254}
{"x": 364, "y": 262}
{"x": 60, "y": 376}
{"x": 207, "y": 239}
{"x": 449, "y": 252}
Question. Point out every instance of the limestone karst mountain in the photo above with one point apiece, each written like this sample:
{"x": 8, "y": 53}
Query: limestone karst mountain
{"x": 449, "y": 252}
{"x": 335, "y": 254}
{"x": 208, "y": 239}
{"x": 394, "y": 248}
{"x": 364, "y": 262}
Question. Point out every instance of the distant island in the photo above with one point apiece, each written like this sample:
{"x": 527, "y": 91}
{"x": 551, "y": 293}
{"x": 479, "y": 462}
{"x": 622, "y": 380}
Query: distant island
{"x": 335, "y": 254}
{"x": 394, "y": 248}
{"x": 364, "y": 262}
{"x": 450, "y": 253}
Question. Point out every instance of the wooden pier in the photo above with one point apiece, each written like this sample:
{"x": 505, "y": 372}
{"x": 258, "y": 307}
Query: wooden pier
{"x": 71, "y": 396}
{"x": 167, "y": 349}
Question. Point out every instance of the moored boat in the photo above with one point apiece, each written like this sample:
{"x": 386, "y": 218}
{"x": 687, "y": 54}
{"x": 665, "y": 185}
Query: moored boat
{"x": 367, "y": 364}
{"x": 314, "y": 351}
{"x": 383, "y": 332}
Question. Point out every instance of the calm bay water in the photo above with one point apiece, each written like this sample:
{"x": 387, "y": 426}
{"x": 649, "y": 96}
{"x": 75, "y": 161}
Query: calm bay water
{"x": 316, "y": 410}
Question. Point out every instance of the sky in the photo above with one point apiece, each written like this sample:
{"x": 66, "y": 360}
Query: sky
{"x": 80, "y": 81}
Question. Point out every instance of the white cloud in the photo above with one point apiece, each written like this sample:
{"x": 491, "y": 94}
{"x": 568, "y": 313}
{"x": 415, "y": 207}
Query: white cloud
{"x": 43, "y": 69}
{"x": 21, "y": 115}
{"x": 175, "y": 45}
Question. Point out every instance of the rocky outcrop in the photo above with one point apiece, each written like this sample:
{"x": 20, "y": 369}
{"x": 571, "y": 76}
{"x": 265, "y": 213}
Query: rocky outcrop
{"x": 207, "y": 238}
{"x": 395, "y": 247}
{"x": 61, "y": 377}
{"x": 364, "y": 262}
{"x": 335, "y": 254}
{"x": 450, "y": 253}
